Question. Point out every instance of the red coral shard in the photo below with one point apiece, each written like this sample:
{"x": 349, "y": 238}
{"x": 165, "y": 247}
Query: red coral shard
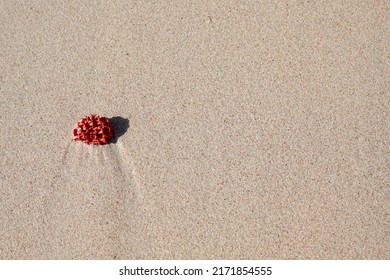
{"x": 93, "y": 129}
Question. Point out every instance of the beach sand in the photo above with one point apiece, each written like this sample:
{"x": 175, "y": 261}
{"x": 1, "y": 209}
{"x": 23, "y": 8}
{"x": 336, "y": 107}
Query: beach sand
{"x": 245, "y": 130}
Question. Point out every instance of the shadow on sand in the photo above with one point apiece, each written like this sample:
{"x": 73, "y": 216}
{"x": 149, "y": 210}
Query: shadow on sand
{"x": 119, "y": 126}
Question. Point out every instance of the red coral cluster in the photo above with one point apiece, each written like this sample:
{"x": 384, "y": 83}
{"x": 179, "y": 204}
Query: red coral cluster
{"x": 93, "y": 129}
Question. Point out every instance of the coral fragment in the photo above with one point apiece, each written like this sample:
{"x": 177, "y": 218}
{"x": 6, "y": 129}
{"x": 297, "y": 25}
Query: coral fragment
{"x": 93, "y": 129}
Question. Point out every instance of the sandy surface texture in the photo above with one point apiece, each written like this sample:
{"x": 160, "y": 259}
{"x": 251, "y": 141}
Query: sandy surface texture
{"x": 245, "y": 129}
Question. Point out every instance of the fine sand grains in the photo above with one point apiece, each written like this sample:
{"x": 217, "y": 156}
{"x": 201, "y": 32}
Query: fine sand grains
{"x": 94, "y": 204}
{"x": 257, "y": 129}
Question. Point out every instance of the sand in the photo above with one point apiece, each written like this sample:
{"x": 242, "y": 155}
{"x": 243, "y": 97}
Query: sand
{"x": 245, "y": 129}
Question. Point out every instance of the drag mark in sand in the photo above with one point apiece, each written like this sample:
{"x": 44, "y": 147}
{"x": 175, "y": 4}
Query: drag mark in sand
{"x": 93, "y": 205}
